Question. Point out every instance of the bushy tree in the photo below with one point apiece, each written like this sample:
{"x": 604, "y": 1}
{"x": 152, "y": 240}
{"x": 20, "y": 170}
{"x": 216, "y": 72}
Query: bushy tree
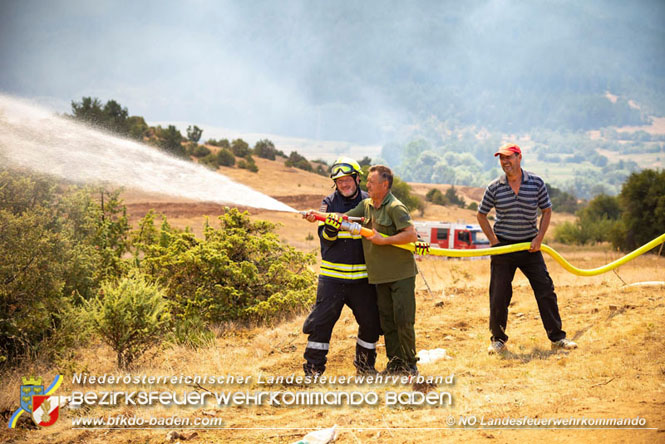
{"x": 597, "y": 222}
{"x": 265, "y": 149}
{"x": 112, "y": 116}
{"x": 402, "y": 191}
{"x": 32, "y": 275}
{"x": 435, "y": 196}
{"x": 170, "y": 140}
{"x": 562, "y": 201}
{"x": 200, "y": 151}
{"x": 602, "y": 206}
{"x": 115, "y": 118}
{"x": 449, "y": 198}
{"x": 248, "y": 163}
{"x": 225, "y": 158}
{"x": 222, "y": 143}
{"x": 194, "y": 133}
{"x": 240, "y": 148}
{"x": 454, "y": 198}
{"x": 138, "y": 129}
{"x": 89, "y": 110}
{"x": 222, "y": 157}
{"x": 642, "y": 201}
{"x": 58, "y": 244}
{"x": 296, "y": 160}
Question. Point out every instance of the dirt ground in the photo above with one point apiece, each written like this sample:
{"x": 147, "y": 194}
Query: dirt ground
{"x": 617, "y": 372}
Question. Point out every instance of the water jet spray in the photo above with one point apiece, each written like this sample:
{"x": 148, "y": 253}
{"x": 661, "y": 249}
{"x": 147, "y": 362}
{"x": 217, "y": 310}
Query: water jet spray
{"x": 35, "y": 138}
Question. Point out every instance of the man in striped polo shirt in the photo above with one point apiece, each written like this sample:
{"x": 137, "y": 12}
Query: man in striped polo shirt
{"x": 516, "y": 197}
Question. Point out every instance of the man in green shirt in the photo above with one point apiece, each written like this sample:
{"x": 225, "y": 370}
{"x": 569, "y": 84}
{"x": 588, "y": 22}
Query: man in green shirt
{"x": 393, "y": 270}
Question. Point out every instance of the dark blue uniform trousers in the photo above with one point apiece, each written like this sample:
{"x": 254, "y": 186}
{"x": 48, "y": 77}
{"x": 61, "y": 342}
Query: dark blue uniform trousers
{"x": 331, "y": 296}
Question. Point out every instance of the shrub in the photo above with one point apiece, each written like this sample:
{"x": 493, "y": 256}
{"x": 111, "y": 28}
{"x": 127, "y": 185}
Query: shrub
{"x": 235, "y": 267}
{"x": 248, "y": 164}
{"x": 642, "y": 200}
{"x": 57, "y": 245}
{"x": 222, "y": 143}
{"x": 225, "y": 158}
{"x": 210, "y": 161}
{"x": 137, "y": 127}
{"x": 436, "y": 197}
{"x": 562, "y": 201}
{"x": 200, "y": 151}
{"x": 595, "y": 223}
{"x": 453, "y": 198}
{"x": 449, "y": 198}
{"x": 240, "y": 148}
{"x": 265, "y": 149}
{"x": 402, "y": 191}
{"x": 170, "y": 140}
{"x": 130, "y": 316}
{"x": 192, "y": 332}
{"x": 298, "y": 161}
{"x": 112, "y": 116}
{"x": 279, "y": 305}
{"x": 567, "y": 233}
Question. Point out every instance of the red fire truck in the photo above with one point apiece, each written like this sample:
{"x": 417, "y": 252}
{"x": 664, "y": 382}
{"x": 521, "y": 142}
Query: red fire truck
{"x": 452, "y": 235}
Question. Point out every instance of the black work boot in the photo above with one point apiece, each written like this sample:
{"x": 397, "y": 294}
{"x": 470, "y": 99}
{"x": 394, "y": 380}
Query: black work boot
{"x": 394, "y": 367}
{"x": 398, "y": 367}
{"x": 365, "y": 360}
{"x": 312, "y": 370}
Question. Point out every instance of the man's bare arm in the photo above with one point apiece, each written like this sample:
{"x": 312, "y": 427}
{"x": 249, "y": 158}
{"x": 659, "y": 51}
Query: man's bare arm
{"x": 487, "y": 228}
{"x": 544, "y": 225}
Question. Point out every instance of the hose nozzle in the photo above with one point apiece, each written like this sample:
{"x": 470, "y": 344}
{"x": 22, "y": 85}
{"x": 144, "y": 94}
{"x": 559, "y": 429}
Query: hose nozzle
{"x": 322, "y": 216}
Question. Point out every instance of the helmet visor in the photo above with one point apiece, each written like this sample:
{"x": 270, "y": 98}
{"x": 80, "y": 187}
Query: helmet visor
{"x": 342, "y": 169}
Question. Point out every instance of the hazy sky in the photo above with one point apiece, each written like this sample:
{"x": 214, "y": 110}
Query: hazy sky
{"x": 318, "y": 69}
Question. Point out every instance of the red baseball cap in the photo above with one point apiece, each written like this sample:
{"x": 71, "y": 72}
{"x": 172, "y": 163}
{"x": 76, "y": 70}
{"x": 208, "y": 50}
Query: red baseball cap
{"x": 508, "y": 149}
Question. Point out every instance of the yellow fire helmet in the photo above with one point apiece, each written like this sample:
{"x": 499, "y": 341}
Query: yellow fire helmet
{"x": 344, "y": 166}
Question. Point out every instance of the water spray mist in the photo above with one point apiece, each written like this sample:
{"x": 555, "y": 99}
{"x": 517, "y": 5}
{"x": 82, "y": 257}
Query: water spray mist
{"x": 35, "y": 138}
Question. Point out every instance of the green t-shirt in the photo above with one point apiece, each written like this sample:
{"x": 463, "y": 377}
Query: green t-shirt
{"x": 386, "y": 263}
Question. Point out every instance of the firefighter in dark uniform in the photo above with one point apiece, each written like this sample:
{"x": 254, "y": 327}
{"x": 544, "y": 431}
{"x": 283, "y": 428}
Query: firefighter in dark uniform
{"x": 343, "y": 278}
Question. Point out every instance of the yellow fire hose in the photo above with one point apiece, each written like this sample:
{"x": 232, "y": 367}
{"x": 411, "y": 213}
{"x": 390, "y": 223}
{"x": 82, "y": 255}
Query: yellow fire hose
{"x": 547, "y": 249}
{"x": 356, "y": 228}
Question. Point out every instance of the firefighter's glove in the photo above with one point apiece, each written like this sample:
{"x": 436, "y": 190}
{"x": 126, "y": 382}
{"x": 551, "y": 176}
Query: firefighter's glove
{"x": 331, "y": 226}
{"x": 355, "y": 228}
{"x": 422, "y": 248}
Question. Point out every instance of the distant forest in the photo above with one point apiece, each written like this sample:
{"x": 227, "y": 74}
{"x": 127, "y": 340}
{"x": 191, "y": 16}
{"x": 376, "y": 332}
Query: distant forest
{"x": 435, "y": 152}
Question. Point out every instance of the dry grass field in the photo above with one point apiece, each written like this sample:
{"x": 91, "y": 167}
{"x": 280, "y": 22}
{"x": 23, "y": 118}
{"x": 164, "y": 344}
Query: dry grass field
{"x": 617, "y": 372}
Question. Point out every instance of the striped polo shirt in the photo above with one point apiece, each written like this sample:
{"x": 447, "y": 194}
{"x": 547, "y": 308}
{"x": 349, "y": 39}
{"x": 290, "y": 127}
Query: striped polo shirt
{"x": 516, "y": 215}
